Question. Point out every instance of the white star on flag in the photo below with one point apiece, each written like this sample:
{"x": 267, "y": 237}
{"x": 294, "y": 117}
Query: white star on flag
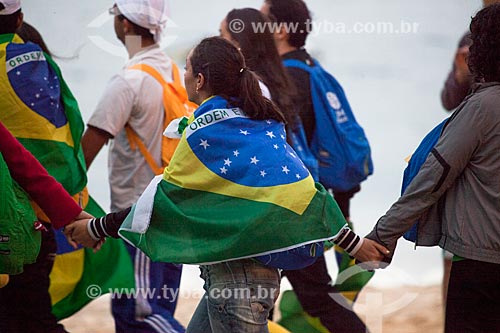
{"x": 268, "y": 122}
{"x": 236, "y": 153}
{"x": 18, "y": 73}
{"x": 204, "y": 143}
{"x": 298, "y": 176}
{"x": 282, "y": 136}
{"x": 228, "y": 162}
{"x": 293, "y": 155}
{"x": 270, "y": 134}
{"x": 276, "y": 147}
{"x": 254, "y": 160}
{"x": 244, "y": 132}
{"x": 263, "y": 173}
{"x": 223, "y": 170}
{"x": 285, "y": 169}
{"x": 37, "y": 95}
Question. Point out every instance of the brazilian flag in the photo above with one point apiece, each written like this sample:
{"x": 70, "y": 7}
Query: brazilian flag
{"x": 39, "y": 109}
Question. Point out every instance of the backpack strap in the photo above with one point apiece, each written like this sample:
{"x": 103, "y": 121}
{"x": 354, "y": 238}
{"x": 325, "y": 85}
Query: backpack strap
{"x": 132, "y": 136}
{"x": 136, "y": 142}
{"x": 174, "y": 87}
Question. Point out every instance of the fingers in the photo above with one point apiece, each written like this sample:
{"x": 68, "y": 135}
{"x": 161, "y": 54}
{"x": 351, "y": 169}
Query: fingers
{"x": 99, "y": 245}
{"x": 382, "y": 249}
{"x": 372, "y": 255}
{"x": 68, "y": 232}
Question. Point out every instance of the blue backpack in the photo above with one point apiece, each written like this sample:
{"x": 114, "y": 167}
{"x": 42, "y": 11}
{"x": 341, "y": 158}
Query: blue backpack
{"x": 339, "y": 143}
{"x": 298, "y": 140}
{"x": 416, "y": 161}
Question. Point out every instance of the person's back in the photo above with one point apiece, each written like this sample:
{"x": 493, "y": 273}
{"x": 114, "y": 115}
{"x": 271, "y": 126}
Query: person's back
{"x": 136, "y": 100}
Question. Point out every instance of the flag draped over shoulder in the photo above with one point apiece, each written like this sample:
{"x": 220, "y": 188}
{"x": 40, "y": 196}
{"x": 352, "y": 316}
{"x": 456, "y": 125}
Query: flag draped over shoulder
{"x": 234, "y": 189}
{"x": 39, "y": 109}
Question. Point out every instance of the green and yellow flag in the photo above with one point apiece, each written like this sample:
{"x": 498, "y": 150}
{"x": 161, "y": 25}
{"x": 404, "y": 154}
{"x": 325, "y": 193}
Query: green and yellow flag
{"x": 234, "y": 189}
{"x": 39, "y": 109}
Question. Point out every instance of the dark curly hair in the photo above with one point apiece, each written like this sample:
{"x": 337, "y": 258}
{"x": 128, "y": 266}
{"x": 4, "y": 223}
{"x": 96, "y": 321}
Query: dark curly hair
{"x": 484, "y": 54}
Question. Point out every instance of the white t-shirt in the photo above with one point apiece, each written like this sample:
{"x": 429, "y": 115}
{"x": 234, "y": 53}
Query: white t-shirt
{"x": 133, "y": 97}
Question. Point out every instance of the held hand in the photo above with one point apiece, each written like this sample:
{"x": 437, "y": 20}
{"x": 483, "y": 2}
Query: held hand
{"x": 98, "y": 245}
{"x": 83, "y": 215}
{"x": 371, "y": 254}
{"x": 76, "y": 233}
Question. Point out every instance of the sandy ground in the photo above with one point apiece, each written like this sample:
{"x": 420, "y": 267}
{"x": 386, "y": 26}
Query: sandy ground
{"x": 401, "y": 310}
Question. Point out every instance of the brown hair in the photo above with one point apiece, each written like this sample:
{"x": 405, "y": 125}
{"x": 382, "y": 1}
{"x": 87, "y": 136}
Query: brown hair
{"x": 225, "y": 72}
{"x": 29, "y": 34}
{"x": 262, "y": 57}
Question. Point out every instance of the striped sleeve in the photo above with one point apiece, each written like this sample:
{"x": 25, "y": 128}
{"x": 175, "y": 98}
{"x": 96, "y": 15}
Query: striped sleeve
{"x": 107, "y": 226}
{"x": 349, "y": 241}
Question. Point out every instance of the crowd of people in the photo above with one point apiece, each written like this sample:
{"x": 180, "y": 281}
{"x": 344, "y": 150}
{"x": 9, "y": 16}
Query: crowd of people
{"x": 223, "y": 176}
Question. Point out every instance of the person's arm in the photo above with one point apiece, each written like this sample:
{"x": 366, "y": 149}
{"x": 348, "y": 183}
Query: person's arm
{"x": 92, "y": 141}
{"x": 25, "y": 169}
{"x": 90, "y": 232}
{"x": 443, "y": 166}
{"x": 110, "y": 116}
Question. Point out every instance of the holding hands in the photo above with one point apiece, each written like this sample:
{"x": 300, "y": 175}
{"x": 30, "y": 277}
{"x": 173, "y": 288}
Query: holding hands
{"x": 372, "y": 254}
{"x": 77, "y": 233}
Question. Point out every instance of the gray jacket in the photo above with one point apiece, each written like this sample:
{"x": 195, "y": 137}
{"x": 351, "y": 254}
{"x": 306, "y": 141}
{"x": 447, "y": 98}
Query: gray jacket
{"x": 456, "y": 193}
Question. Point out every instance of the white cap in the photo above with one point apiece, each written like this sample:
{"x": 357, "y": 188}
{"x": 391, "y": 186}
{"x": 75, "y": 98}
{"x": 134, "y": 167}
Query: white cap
{"x": 149, "y": 14}
{"x": 10, "y": 6}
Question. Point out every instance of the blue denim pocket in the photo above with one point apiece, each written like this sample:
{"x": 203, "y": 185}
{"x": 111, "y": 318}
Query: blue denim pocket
{"x": 240, "y": 296}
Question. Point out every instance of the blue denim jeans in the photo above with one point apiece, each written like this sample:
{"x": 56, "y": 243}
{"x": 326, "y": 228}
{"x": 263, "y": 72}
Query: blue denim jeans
{"x": 238, "y": 297}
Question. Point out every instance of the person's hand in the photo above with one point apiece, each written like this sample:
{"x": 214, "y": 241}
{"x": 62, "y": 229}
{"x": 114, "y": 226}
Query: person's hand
{"x": 77, "y": 233}
{"x": 462, "y": 71}
{"x": 371, "y": 254}
{"x": 83, "y": 215}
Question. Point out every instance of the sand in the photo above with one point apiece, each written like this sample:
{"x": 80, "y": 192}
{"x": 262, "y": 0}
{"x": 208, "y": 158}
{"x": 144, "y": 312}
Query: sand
{"x": 400, "y": 310}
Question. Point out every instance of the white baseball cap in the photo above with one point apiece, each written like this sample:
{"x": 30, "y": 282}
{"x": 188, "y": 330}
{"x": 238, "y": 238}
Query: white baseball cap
{"x": 8, "y": 7}
{"x": 149, "y": 14}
